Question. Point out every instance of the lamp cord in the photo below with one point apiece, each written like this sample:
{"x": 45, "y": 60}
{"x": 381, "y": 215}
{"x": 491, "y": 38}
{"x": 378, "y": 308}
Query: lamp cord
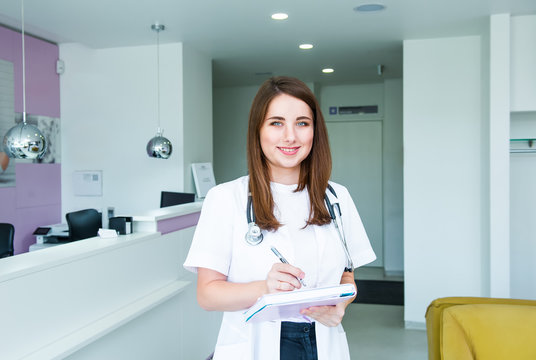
{"x": 158, "y": 74}
{"x": 23, "y": 67}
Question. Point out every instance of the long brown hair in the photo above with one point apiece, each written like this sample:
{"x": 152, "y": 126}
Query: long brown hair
{"x": 315, "y": 170}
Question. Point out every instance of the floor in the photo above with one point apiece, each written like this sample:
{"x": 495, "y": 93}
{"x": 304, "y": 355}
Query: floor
{"x": 376, "y": 332}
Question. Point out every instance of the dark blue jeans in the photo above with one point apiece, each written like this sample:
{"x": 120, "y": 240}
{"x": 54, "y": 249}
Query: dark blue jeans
{"x": 298, "y": 341}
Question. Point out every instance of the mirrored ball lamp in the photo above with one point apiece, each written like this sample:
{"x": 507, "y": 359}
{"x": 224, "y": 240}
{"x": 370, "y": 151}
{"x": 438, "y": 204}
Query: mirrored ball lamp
{"x": 159, "y": 147}
{"x": 24, "y": 141}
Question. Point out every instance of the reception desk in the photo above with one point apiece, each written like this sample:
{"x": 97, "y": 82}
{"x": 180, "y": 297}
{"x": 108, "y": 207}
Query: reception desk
{"x": 119, "y": 298}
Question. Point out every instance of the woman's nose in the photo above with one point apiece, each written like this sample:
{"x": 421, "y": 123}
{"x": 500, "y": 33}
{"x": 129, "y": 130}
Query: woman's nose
{"x": 290, "y": 134}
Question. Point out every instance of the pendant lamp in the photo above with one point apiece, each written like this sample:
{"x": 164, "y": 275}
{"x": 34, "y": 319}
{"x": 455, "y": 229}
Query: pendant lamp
{"x": 24, "y": 141}
{"x": 158, "y": 147}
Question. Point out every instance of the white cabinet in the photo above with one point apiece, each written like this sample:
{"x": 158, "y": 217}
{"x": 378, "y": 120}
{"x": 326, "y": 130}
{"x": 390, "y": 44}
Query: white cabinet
{"x": 523, "y": 63}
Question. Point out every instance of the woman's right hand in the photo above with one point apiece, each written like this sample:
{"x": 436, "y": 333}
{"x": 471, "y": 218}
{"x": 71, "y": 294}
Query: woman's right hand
{"x": 283, "y": 277}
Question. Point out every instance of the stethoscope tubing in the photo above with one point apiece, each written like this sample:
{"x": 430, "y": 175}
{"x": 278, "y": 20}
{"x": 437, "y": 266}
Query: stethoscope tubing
{"x": 349, "y": 263}
{"x": 254, "y": 235}
{"x": 335, "y": 215}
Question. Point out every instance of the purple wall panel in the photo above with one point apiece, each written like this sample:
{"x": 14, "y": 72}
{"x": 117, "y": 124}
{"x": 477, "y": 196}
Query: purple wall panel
{"x": 8, "y": 201}
{"x": 36, "y": 198}
{"x": 42, "y": 82}
{"x": 11, "y": 51}
{"x": 177, "y": 223}
{"x": 28, "y": 219}
{"x": 38, "y": 184}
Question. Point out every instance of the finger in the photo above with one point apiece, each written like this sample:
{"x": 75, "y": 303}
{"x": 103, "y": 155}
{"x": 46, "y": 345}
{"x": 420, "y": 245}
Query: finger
{"x": 327, "y": 315}
{"x": 287, "y": 278}
{"x": 284, "y": 286}
{"x": 289, "y": 269}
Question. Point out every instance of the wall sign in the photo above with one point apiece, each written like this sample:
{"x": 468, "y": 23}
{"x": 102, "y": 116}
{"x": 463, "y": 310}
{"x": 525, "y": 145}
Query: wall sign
{"x": 87, "y": 183}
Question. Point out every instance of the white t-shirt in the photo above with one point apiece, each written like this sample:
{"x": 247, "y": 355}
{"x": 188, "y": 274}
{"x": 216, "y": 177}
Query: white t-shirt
{"x": 219, "y": 244}
{"x": 292, "y": 209}
{"x": 219, "y": 240}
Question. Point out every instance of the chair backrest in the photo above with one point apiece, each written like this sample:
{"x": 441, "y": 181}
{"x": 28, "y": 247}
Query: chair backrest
{"x": 435, "y": 312}
{"x": 169, "y": 198}
{"x": 7, "y": 233}
{"x": 83, "y": 224}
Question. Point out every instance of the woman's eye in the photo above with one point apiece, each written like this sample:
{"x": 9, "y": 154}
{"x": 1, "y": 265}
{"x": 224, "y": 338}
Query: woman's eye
{"x": 303, "y": 123}
{"x": 276, "y": 123}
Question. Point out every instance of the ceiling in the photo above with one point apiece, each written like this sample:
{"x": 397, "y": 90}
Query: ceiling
{"x": 247, "y": 46}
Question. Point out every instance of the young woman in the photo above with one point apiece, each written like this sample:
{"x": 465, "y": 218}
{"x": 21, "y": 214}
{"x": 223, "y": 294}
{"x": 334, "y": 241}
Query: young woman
{"x": 289, "y": 165}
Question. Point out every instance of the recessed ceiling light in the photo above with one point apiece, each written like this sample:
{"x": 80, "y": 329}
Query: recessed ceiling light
{"x": 306, "y": 46}
{"x": 369, "y": 7}
{"x": 280, "y": 16}
{"x": 327, "y": 70}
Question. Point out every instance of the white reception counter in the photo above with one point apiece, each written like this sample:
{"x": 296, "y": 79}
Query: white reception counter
{"x": 120, "y": 298}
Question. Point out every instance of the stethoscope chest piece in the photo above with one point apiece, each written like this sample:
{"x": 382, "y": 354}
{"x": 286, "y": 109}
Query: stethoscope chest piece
{"x": 254, "y": 235}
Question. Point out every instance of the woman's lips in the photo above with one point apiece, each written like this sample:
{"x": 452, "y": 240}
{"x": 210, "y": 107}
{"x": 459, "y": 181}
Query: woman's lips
{"x": 289, "y": 150}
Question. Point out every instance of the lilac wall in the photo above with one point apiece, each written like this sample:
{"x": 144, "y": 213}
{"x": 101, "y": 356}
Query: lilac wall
{"x": 178, "y": 223}
{"x": 42, "y": 82}
{"x": 36, "y": 198}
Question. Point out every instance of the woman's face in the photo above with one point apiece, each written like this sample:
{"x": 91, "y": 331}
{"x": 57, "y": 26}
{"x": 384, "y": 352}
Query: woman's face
{"x": 286, "y": 137}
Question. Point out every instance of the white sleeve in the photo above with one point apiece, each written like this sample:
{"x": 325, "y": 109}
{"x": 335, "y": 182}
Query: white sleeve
{"x": 212, "y": 242}
{"x": 354, "y": 231}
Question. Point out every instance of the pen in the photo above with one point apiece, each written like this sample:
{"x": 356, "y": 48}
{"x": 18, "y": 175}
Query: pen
{"x": 284, "y": 261}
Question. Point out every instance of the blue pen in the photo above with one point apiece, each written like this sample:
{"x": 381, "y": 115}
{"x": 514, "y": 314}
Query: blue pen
{"x": 284, "y": 261}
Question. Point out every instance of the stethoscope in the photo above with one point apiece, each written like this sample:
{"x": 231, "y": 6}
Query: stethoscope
{"x": 254, "y": 234}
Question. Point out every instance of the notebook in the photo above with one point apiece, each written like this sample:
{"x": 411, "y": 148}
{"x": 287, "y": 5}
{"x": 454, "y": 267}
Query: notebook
{"x": 288, "y": 304}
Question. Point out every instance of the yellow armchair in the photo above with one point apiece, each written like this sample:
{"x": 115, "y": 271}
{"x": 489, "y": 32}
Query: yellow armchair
{"x": 460, "y": 328}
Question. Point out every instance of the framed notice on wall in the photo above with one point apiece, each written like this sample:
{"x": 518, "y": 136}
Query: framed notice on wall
{"x": 87, "y": 183}
{"x": 203, "y": 178}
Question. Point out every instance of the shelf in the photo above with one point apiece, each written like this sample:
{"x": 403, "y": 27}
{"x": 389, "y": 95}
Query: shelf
{"x": 516, "y": 146}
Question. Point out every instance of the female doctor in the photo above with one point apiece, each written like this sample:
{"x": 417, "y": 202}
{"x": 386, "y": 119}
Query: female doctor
{"x": 289, "y": 165}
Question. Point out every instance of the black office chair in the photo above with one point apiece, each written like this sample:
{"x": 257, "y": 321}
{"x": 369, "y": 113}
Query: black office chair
{"x": 83, "y": 224}
{"x": 169, "y": 198}
{"x": 7, "y": 233}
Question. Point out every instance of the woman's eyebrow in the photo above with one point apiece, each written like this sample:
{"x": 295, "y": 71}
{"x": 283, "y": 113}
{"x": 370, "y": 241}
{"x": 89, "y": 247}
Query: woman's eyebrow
{"x": 275, "y": 117}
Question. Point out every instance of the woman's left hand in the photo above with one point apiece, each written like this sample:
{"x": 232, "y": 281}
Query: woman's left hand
{"x": 330, "y": 315}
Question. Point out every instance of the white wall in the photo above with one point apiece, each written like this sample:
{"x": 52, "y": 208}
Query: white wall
{"x": 356, "y": 142}
{"x": 523, "y": 166}
{"x": 393, "y": 178}
{"x": 442, "y": 171}
{"x": 523, "y": 71}
{"x": 109, "y": 113}
{"x": 231, "y": 112}
{"x": 522, "y": 211}
{"x": 197, "y": 112}
{"x": 352, "y": 95}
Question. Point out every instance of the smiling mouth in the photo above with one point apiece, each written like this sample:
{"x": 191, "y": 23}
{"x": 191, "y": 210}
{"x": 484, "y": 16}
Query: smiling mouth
{"x": 289, "y": 150}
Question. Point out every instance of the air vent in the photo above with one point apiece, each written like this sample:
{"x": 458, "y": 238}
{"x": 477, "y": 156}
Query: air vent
{"x": 352, "y": 110}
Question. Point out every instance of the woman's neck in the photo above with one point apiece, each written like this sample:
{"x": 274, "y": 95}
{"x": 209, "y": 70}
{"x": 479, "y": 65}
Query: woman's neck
{"x": 285, "y": 177}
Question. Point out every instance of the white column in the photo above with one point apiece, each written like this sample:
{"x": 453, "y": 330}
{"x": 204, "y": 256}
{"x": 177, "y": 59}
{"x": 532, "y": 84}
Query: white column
{"x": 443, "y": 209}
{"x": 499, "y": 157}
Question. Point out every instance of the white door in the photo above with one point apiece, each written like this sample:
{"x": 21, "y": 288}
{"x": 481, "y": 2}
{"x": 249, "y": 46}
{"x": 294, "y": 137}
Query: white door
{"x": 356, "y": 148}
